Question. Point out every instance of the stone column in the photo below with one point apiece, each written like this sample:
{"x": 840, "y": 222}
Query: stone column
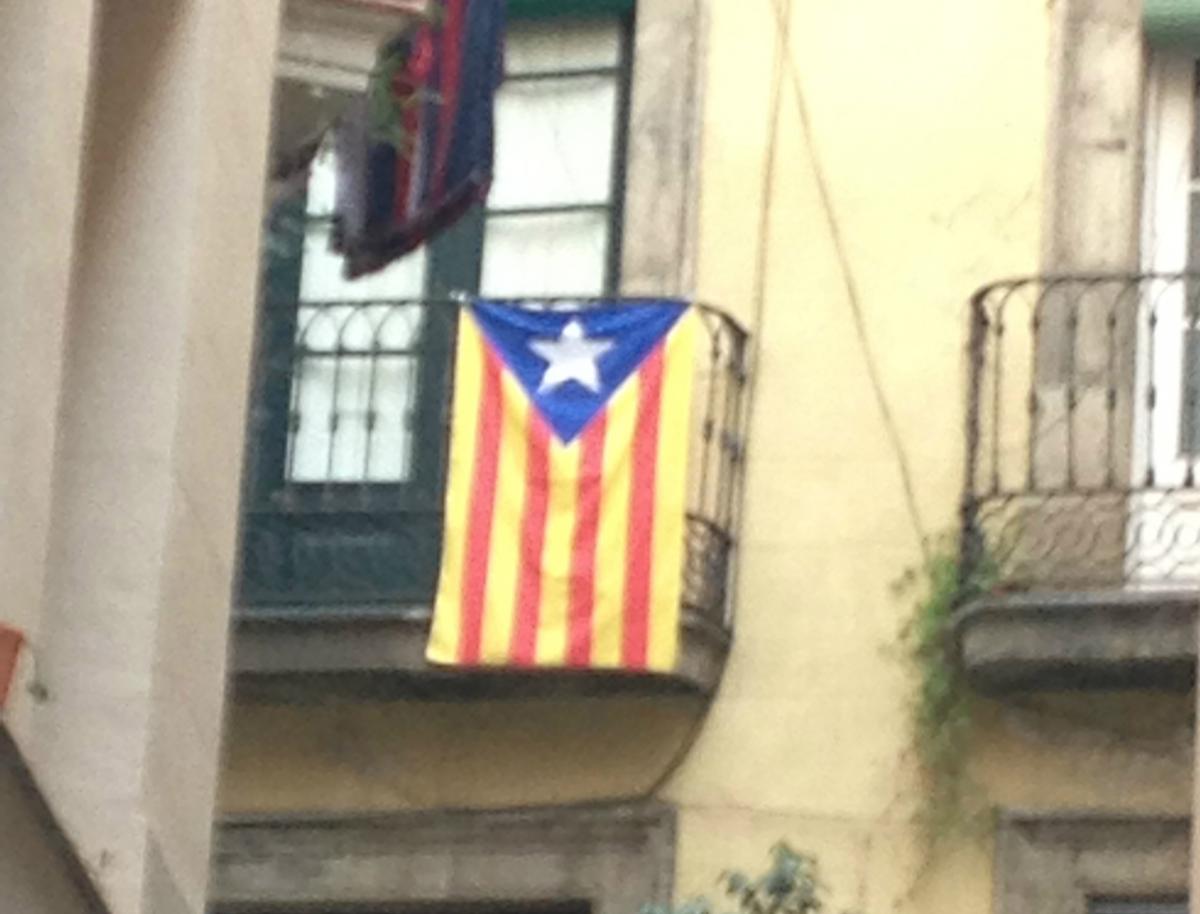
{"x": 1092, "y": 224}
{"x": 662, "y": 162}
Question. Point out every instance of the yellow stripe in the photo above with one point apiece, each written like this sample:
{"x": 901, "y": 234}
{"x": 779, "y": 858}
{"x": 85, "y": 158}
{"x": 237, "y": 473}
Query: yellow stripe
{"x": 666, "y": 585}
{"x": 468, "y": 385}
{"x": 505, "y": 553}
{"x": 613, "y": 537}
{"x": 556, "y": 553}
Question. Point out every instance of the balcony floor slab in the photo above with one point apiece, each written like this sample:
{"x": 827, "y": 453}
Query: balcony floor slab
{"x": 301, "y": 654}
{"x": 1106, "y": 639}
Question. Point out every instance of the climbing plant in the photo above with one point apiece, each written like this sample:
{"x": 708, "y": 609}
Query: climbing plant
{"x": 943, "y": 704}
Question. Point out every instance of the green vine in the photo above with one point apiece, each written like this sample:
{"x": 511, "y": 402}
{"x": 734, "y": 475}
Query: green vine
{"x": 386, "y": 109}
{"x": 943, "y": 704}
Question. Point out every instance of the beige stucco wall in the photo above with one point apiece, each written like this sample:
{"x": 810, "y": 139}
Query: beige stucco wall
{"x": 362, "y": 755}
{"x": 927, "y": 121}
{"x": 45, "y": 58}
{"x": 1064, "y": 756}
{"x": 138, "y": 147}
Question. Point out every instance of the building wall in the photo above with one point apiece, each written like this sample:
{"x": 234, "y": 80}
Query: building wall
{"x": 927, "y": 125}
{"x": 138, "y": 158}
{"x": 373, "y": 756}
{"x": 43, "y": 98}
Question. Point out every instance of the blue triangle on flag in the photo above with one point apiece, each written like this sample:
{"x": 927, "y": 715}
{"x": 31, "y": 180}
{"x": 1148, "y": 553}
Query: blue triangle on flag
{"x": 570, "y": 362}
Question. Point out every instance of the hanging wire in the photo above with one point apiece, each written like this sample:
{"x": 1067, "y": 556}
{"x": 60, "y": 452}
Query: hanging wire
{"x": 850, "y": 284}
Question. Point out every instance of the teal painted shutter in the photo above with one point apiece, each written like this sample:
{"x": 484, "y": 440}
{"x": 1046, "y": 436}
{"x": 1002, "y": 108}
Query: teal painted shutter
{"x": 1173, "y": 24}
{"x": 544, "y": 8}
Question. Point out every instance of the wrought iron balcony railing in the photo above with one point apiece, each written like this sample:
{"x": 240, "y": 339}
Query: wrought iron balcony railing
{"x": 1083, "y": 433}
{"x": 347, "y": 457}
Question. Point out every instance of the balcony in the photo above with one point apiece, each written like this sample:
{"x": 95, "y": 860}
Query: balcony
{"x": 342, "y": 509}
{"x": 1081, "y": 512}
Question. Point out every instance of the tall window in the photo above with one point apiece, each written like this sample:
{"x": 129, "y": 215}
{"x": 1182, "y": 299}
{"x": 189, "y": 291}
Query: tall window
{"x": 354, "y": 378}
{"x": 349, "y": 440}
{"x": 1171, "y": 244}
{"x": 551, "y": 226}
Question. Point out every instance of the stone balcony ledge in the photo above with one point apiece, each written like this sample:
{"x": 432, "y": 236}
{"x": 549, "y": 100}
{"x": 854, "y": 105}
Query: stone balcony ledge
{"x": 301, "y": 654}
{"x": 1101, "y": 639}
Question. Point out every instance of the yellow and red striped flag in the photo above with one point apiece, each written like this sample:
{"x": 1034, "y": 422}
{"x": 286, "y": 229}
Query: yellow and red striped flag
{"x": 564, "y": 530}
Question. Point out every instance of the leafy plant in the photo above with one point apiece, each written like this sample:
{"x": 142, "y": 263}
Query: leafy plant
{"x": 386, "y": 109}
{"x": 943, "y": 703}
{"x": 790, "y": 885}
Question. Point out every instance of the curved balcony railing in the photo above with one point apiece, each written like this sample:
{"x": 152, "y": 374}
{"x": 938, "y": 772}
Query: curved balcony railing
{"x": 347, "y": 458}
{"x": 1083, "y": 433}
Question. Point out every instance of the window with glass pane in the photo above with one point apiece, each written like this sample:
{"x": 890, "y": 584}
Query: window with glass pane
{"x": 551, "y": 223}
{"x": 1170, "y": 344}
{"x": 348, "y": 452}
{"x": 354, "y": 382}
{"x": 353, "y": 393}
{"x": 1190, "y": 427}
{"x": 549, "y": 229}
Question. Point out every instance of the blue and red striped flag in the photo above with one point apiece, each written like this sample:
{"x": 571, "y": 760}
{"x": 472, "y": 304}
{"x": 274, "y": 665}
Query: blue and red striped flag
{"x": 417, "y": 151}
{"x": 565, "y": 521}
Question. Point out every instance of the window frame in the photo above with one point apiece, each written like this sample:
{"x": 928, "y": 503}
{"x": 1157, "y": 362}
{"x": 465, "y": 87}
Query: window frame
{"x": 1172, "y": 179}
{"x": 456, "y": 257}
{"x": 1058, "y": 862}
{"x": 454, "y": 261}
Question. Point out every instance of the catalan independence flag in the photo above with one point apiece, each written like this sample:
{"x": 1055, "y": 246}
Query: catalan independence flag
{"x": 564, "y": 530}
{"x": 416, "y": 152}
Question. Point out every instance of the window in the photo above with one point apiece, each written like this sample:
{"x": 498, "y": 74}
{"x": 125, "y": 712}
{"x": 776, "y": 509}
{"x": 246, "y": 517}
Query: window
{"x": 551, "y": 226}
{"x": 1091, "y": 863}
{"x": 1171, "y": 244}
{"x": 1160, "y": 547}
{"x": 349, "y": 436}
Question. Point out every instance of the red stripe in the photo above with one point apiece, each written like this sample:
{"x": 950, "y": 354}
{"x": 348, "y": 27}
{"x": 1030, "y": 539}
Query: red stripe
{"x": 533, "y": 538}
{"x": 453, "y": 32}
{"x": 483, "y": 503}
{"x": 582, "y": 601}
{"x": 640, "y": 542}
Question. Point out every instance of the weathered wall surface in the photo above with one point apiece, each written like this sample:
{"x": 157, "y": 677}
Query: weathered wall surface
{"x": 45, "y": 59}
{"x": 139, "y": 144}
{"x": 927, "y": 124}
{"x": 345, "y": 756}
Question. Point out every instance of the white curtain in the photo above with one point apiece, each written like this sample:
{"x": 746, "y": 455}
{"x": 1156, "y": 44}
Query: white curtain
{"x": 355, "y": 379}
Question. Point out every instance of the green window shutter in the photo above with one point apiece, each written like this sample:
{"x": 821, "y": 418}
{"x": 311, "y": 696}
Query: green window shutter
{"x": 541, "y": 9}
{"x": 1173, "y": 24}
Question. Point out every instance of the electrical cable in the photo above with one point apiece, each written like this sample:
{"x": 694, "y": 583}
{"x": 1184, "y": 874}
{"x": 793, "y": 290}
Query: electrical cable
{"x": 758, "y": 304}
{"x": 782, "y": 15}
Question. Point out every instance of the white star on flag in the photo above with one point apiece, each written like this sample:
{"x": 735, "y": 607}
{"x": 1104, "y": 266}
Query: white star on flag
{"x": 572, "y": 357}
